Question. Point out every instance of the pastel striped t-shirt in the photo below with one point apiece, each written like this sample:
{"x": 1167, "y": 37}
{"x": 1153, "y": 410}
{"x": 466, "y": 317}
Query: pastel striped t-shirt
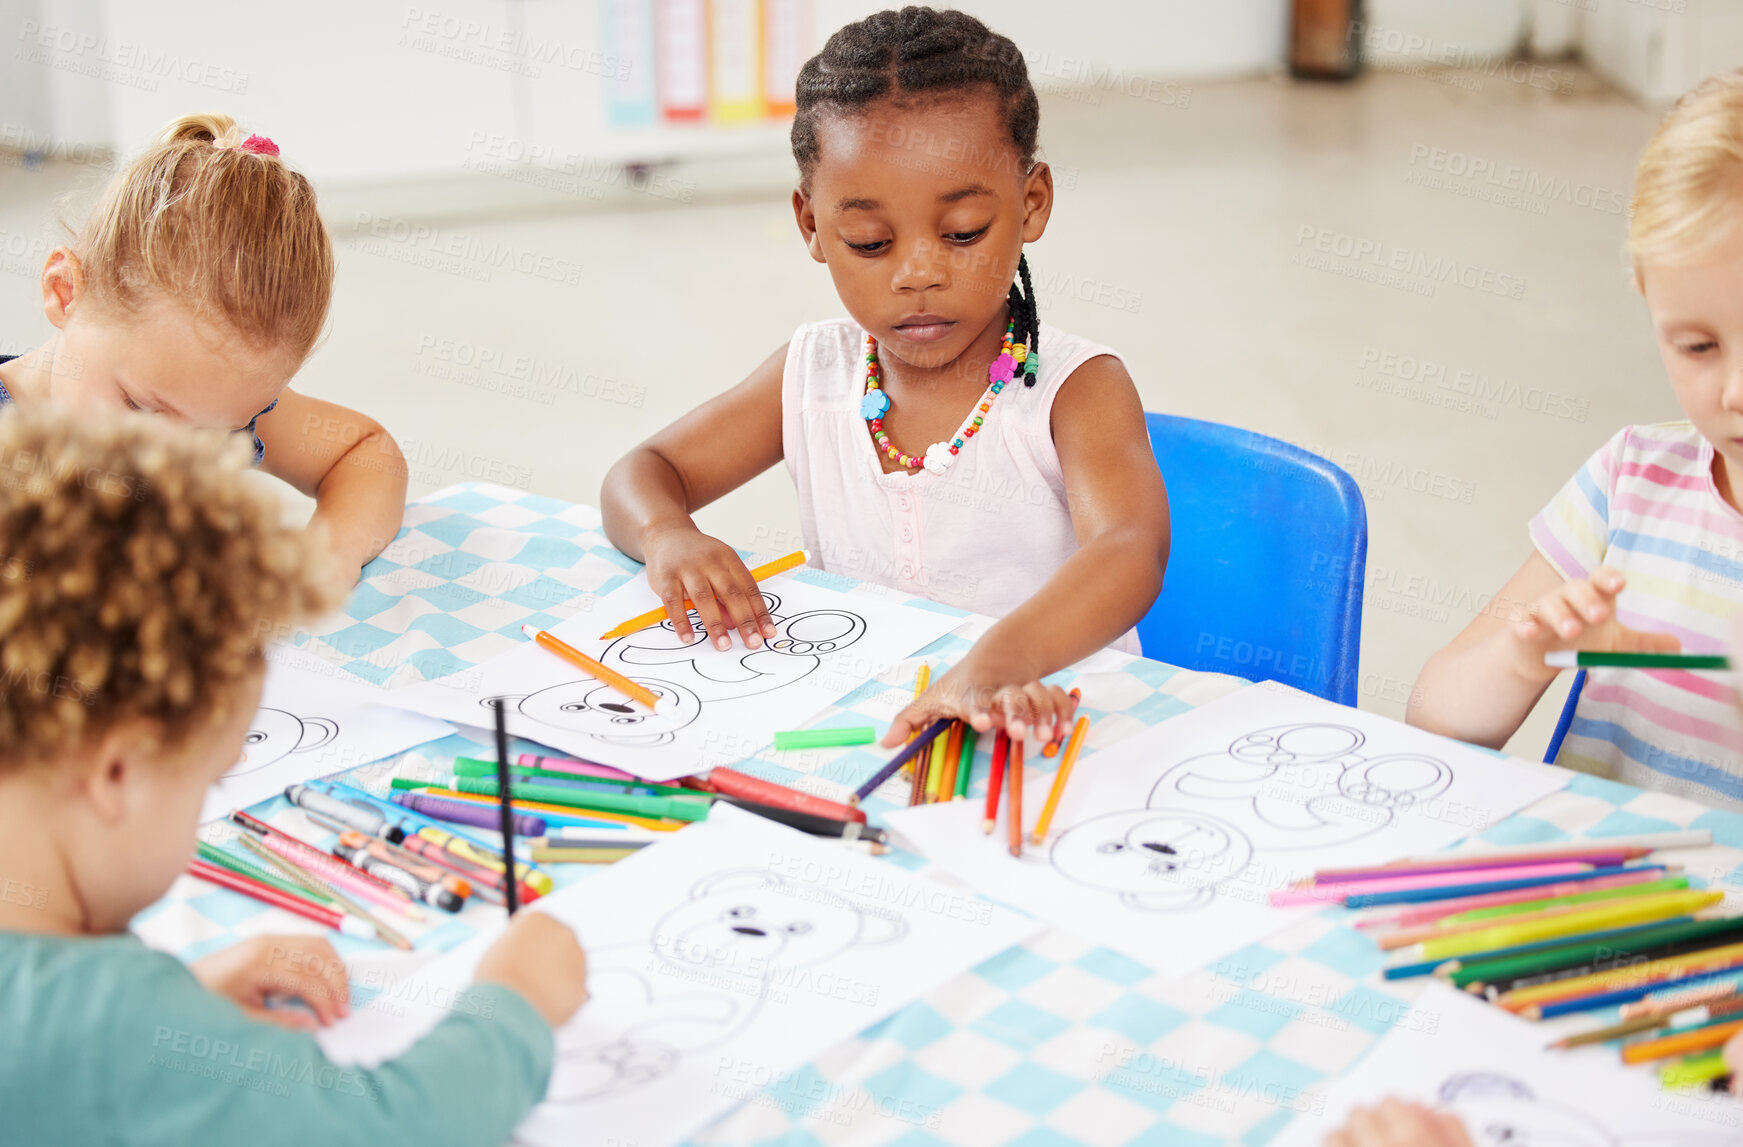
{"x": 1646, "y": 505}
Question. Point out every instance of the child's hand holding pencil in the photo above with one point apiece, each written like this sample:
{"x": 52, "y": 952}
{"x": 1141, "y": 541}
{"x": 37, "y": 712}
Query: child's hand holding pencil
{"x": 685, "y": 563}
{"x": 1580, "y": 614}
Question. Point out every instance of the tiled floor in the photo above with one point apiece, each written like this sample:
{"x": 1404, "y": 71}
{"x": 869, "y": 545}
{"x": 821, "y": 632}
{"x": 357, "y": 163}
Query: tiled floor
{"x": 1220, "y": 238}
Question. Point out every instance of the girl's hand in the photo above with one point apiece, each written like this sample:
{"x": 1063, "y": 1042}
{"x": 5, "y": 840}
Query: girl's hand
{"x": 306, "y": 967}
{"x": 980, "y": 692}
{"x": 1395, "y": 1123}
{"x": 683, "y": 562}
{"x": 1580, "y": 614}
{"x": 539, "y": 957}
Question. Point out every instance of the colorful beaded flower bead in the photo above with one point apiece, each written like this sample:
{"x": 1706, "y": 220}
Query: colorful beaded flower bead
{"x": 938, "y": 456}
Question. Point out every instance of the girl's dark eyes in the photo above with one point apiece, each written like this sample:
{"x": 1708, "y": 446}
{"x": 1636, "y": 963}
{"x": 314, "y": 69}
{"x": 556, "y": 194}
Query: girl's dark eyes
{"x": 1699, "y": 348}
{"x": 966, "y": 237}
{"x": 131, "y": 405}
{"x": 868, "y": 248}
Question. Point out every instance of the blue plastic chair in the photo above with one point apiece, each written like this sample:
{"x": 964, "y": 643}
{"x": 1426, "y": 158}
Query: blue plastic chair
{"x": 1265, "y": 570}
{"x": 1566, "y": 718}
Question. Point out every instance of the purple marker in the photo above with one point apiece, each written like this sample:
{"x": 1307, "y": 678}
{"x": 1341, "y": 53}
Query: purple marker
{"x": 468, "y": 812}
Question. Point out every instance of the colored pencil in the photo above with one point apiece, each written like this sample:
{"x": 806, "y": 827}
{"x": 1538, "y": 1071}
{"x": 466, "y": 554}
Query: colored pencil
{"x": 1440, "y": 909}
{"x": 1484, "y": 970}
{"x": 946, "y": 787}
{"x": 654, "y": 616}
{"x": 308, "y": 909}
{"x": 1589, "y": 659}
{"x": 935, "y": 767}
{"x": 917, "y": 779}
{"x": 1696, "y": 1069}
{"x": 1681, "y": 1017}
{"x": 597, "y": 670}
{"x": 1448, "y": 968}
{"x": 907, "y": 752}
{"x": 678, "y": 808}
{"x": 1648, "y": 909}
{"x": 1435, "y": 882}
{"x": 995, "y": 779}
{"x": 307, "y": 858}
{"x": 1704, "y": 1038}
{"x": 314, "y": 883}
{"x": 1498, "y": 987}
{"x": 1626, "y": 995}
{"x": 1669, "y": 968}
{"x": 965, "y": 763}
{"x": 558, "y": 854}
{"x": 1014, "y": 785}
{"x": 1644, "y": 842}
{"x": 1051, "y": 748}
{"x": 1404, "y": 937}
{"x": 1677, "y": 1000}
{"x": 1503, "y": 911}
{"x": 922, "y": 679}
{"x": 1079, "y": 734}
{"x": 1597, "y": 858}
{"x": 1423, "y": 895}
{"x": 212, "y": 854}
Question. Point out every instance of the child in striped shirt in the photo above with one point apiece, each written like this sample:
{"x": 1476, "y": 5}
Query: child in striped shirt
{"x": 1642, "y": 550}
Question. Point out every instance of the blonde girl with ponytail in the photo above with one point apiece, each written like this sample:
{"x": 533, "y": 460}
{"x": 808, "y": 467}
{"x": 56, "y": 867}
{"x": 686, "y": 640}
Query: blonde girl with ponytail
{"x": 195, "y": 290}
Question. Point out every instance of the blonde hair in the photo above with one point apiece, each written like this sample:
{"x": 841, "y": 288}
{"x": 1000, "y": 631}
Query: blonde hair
{"x": 138, "y": 571}
{"x": 1689, "y": 183}
{"x": 233, "y": 234}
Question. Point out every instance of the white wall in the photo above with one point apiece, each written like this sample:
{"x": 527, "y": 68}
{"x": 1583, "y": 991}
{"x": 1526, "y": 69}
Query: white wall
{"x": 1657, "y": 49}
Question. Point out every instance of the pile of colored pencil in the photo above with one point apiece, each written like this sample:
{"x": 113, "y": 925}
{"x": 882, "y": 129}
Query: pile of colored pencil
{"x": 1562, "y": 930}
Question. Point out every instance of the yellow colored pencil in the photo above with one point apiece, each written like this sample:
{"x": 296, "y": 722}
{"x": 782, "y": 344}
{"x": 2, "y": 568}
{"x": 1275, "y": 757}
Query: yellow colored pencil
{"x": 597, "y": 670}
{"x": 654, "y": 616}
{"x": 1060, "y": 776}
{"x": 921, "y": 680}
{"x": 1636, "y": 975}
{"x": 935, "y": 770}
{"x": 1644, "y": 910}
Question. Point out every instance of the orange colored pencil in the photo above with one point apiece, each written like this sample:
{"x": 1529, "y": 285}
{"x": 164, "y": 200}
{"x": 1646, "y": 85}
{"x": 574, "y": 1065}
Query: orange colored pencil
{"x": 917, "y": 793}
{"x": 1014, "y": 786}
{"x": 952, "y": 758}
{"x": 1060, "y": 776}
{"x": 595, "y": 669}
{"x": 654, "y": 616}
{"x": 1701, "y": 1039}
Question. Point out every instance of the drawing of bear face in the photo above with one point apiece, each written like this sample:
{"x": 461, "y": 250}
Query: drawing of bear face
{"x": 600, "y": 711}
{"x": 275, "y": 734}
{"x": 1500, "y": 1111}
{"x": 1154, "y": 858}
{"x": 750, "y": 922}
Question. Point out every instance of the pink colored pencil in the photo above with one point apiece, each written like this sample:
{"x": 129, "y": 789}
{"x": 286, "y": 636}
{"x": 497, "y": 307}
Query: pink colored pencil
{"x": 1596, "y": 857}
{"x": 1338, "y": 893}
{"x": 573, "y": 767}
{"x": 1434, "y": 909}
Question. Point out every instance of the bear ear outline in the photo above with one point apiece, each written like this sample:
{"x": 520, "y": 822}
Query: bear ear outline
{"x": 1484, "y": 1084}
{"x": 317, "y": 731}
{"x": 733, "y": 880}
{"x": 509, "y": 700}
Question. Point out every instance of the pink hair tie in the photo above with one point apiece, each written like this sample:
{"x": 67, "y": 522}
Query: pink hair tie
{"x": 260, "y": 145}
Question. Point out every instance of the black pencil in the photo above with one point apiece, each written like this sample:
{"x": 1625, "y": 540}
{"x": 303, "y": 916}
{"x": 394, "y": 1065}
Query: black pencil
{"x": 812, "y": 823}
{"x": 505, "y": 805}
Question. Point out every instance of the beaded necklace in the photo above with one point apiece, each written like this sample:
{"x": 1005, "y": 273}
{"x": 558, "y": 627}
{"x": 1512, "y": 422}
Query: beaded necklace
{"x": 939, "y": 455}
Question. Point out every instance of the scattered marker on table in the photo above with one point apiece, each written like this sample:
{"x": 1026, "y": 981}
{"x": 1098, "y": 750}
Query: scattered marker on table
{"x": 830, "y": 738}
{"x": 597, "y": 670}
{"x": 1585, "y": 659}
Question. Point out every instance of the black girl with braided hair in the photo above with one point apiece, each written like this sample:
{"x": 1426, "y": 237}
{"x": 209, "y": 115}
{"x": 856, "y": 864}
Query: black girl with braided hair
{"x": 943, "y": 441}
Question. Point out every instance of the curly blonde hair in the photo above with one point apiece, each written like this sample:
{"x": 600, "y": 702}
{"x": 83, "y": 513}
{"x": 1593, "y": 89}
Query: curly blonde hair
{"x": 1688, "y": 183}
{"x": 138, "y": 573}
{"x": 232, "y": 234}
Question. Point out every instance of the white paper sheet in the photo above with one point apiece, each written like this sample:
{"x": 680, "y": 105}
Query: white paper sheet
{"x": 716, "y": 707}
{"x": 1168, "y": 844}
{"x": 315, "y": 719}
{"x": 733, "y": 952}
{"x": 1491, "y": 1069}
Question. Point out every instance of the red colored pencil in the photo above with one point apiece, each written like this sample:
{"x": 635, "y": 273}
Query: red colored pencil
{"x": 736, "y": 784}
{"x": 1001, "y": 748}
{"x": 267, "y": 894}
{"x": 1014, "y": 785}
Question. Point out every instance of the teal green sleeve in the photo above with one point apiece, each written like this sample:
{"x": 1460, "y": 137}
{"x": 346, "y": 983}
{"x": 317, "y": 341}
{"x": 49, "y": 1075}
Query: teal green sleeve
{"x": 133, "y": 1049}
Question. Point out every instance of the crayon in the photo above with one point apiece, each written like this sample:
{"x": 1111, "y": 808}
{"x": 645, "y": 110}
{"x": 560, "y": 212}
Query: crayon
{"x": 463, "y": 812}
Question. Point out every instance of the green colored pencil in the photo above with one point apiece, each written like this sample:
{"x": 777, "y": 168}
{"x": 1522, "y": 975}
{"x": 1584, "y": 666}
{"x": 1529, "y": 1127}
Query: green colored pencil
{"x": 1585, "y": 659}
{"x": 1572, "y": 955}
{"x": 678, "y": 808}
{"x": 227, "y": 859}
{"x": 1646, "y": 888}
{"x": 467, "y": 767}
{"x": 1694, "y": 1069}
{"x": 966, "y": 764}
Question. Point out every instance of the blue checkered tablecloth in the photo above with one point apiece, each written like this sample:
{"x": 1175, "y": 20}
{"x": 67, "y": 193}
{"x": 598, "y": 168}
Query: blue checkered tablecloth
{"x": 1057, "y": 1041}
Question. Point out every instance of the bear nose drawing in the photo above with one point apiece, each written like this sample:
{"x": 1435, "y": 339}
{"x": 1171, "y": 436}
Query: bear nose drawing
{"x": 1167, "y": 849}
{"x": 747, "y": 930}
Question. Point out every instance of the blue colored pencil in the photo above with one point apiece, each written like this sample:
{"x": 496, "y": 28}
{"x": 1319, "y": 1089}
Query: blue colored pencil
{"x": 1454, "y": 891}
{"x": 1622, "y": 995}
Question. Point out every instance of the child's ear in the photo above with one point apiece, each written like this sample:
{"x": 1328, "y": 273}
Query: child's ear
{"x": 807, "y": 220}
{"x": 63, "y": 280}
{"x": 1037, "y": 201}
{"x": 112, "y": 772}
